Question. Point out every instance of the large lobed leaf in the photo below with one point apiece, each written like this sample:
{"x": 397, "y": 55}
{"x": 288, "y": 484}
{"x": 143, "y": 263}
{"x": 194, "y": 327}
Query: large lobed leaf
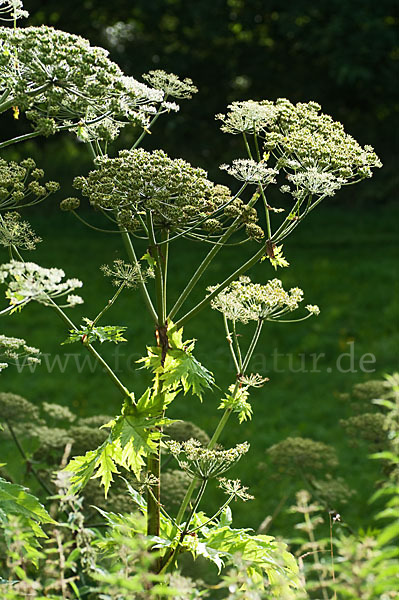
{"x": 15, "y": 500}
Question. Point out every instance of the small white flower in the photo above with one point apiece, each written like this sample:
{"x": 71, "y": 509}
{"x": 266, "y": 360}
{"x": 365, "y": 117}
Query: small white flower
{"x": 313, "y": 309}
{"x": 27, "y": 281}
{"x": 245, "y": 301}
{"x": 74, "y": 300}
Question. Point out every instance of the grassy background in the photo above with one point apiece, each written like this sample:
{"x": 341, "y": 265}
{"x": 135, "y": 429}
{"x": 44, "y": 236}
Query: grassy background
{"x": 343, "y": 256}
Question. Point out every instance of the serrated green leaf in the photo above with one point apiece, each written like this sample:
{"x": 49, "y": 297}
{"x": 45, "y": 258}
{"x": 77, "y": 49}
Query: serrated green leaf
{"x": 136, "y": 496}
{"x": 137, "y": 438}
{"x": 90, "y": 334}
{"x": 211, "y": 554}
{"x": 263, "y": 554}
{"x": 82, "y": 468}
{"x": 176, "y": 337}
{"x": 187, "y": 371}
{"x": 15, "y": 500}
{"x": 106, "y": 467}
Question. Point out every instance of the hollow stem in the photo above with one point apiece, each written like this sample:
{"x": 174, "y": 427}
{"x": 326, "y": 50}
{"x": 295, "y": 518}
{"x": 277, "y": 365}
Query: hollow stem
{"x": 169, "y": 558}
{"x": 237, "y": 348}
{"x": 159, "y": 285}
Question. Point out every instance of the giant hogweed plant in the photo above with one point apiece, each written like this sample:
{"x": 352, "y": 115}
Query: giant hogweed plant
{"x": 57, "y": 82}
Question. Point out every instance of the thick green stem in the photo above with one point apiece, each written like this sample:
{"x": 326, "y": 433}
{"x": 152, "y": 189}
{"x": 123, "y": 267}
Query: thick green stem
{"x": 238, "y": 349}
{"x": 153, "y": 496}
{"x": 159, "y": 286}
{"x": 247, "y": 146}
{"x": 267, "y": 214}
{"x": 211, "y": 445}
{"x": 20, "y": 138}
{"x": 268, "y": 224}
{"x": 154, "y": 460}
{"x": 230, "y": 342}
{"x": 147, "y": 129}
{"x": 164, "y": 255}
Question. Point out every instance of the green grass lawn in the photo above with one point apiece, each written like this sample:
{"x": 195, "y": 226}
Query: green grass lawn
{"x": 342, "y": 257}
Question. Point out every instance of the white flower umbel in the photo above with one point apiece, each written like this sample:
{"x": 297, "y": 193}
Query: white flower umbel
{"x": 26, "y": 281}
{"x": 248, "y": 117}
{"x": 305, "y": 141}
{"x": 170, "y": 84}
{"x": 202, "y": 462}
{"x": 251, "y": 171}
{"x": 59, "y": 79}
{"x": 12, "y": 10}
{"x": 245, "y": 301}
{"x": 315, "y": 182}
{"x": 12, "y": 349}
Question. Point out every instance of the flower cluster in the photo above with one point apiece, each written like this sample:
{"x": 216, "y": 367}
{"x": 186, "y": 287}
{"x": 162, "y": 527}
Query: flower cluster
{"x": 14, "y": 409}
{"x": 308, "y": 455}
{"x": 138, "y": 185}
{"x": 27, "y": 281}
{"x": 202, "y": 462}
{"x": 12, "y": 10}
{"x": 248, "y": 117}
{"x": 234, "y": 489}
{"x": 251, "y": 171}
{"x": 313, "y": 181}
{"x": 20, "y": 184}
{"x": 170, "y": 84}
{"x": 138, "y": 182}
{"x": 11, "y": 349}
{"x": 315, "y": 152}
{"x": 57, "y": 78}
{"x": 17, "y": 233}
{"x": 245, "y": 301}
{"x": 253, "y": 380}
{"x": 123, "y": 273}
